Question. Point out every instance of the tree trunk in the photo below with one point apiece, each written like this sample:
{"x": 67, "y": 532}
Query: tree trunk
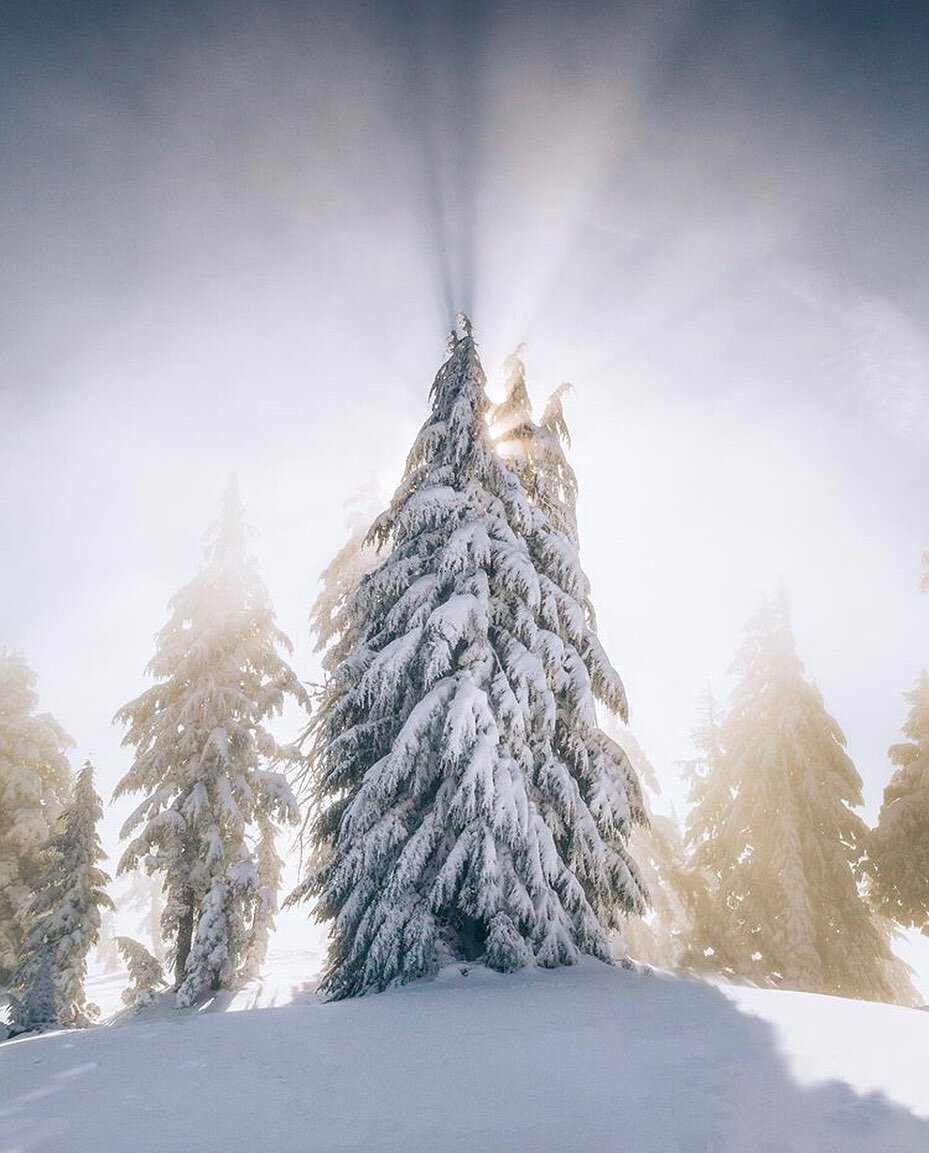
{"x": 185, "y": 933}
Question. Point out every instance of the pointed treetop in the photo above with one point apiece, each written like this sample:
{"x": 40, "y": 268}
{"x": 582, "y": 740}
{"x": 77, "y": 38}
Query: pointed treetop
{"x": 84, "y": 785}
{"x": 553, "y": 418}
{"x": 17, "y": 681}
{"x": 709, "y": 713}
{"x": 459, "y": 379}
{"x": 512, "y": 418}
{"x": 769, "y": 638}
{"x": 226, "y": 540}
{"x": 515, "y": 369}
{"x": 232, "y": 501}
{"x": 780, "y": 603}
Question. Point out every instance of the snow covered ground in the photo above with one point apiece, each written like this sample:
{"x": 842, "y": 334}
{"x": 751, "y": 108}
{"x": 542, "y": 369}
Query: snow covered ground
{"x": 573, "y": 1060}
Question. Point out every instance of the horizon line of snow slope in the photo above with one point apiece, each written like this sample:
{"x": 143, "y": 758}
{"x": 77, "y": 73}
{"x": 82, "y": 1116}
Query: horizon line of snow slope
{"x": 569, "y": 1060}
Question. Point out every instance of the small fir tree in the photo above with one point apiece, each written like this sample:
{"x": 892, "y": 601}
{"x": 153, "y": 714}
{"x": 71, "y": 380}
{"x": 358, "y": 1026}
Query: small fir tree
{"x": 775, "y": 834}
{"x": 467, "y": 803}
{"x": 37, "y": 1010}
{"x": 341, "y": 576}
{"x": 145, "y": 895}
{"x": 270, "y": 870}
{"x": 661, "y": 936}
{"x": 64, "y": 915}
{"x": 710, "y": 795}
{"x": 34, "y": 780}
{"x": 146, "y": 976}
{"x": 339, "y": 581}
{"x": 106, "y": 954}
{"x": 206, "y": 764}
{"x": 898, "y": 848}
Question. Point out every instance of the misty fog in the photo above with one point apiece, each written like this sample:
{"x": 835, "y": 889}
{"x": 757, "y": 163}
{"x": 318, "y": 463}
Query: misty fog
{"x": 236, "y": 239}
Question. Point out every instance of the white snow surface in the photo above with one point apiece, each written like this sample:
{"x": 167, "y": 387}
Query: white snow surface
{"x": 568, "y": 1060}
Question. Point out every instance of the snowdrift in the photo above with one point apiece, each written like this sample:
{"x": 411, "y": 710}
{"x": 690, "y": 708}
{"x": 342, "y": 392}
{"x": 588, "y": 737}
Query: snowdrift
{"x": 568, "y": 1061}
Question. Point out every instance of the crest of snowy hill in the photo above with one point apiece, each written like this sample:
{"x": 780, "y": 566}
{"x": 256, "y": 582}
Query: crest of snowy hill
{"x": 581, "y": 1059}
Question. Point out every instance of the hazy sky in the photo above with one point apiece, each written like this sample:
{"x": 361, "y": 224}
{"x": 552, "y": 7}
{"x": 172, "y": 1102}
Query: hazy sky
{"x": 233, "y": 239}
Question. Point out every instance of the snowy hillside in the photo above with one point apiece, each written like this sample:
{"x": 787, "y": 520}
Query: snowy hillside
{"x": 571, "y": 1060}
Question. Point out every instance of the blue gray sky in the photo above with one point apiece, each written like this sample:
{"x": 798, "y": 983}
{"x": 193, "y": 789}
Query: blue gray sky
{"x": 233, "y": 236}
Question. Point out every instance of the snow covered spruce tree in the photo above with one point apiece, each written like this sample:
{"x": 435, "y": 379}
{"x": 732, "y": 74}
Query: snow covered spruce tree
{"x": 64, "y": 914}
{"x": 467, "y": 803}
{"x": 776, "y": 838}
{"x": 898, "y": 850}
{"x": 208, "y": 767}
{"x": 146, "y": 978}
{"x": 34, "y": 780}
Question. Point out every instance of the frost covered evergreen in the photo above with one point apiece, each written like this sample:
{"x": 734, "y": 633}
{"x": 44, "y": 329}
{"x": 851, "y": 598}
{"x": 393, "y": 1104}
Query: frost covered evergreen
{"x": 146, "y": 976}
{"x": 63, "y": 916}
{"x": 467, "y": 803}
{"x": 207, "y": 766}
{"x": 898, "y": 850}
{"x": 34, "y": 781}
{"x": 775, "y": 837}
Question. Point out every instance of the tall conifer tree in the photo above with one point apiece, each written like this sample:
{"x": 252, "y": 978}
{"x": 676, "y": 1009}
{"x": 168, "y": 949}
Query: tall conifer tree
{"x": 34, "y": 781}
{"x": 207, "y": 765}
{"x": 468, "y": 805}
{"x": 776, "y": 837}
